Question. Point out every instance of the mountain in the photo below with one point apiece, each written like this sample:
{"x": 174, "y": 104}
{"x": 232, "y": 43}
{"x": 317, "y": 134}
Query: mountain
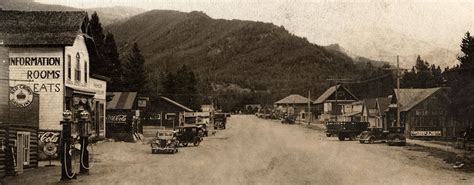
{"x": 254, "y": 55}
{"x": 107, "y": 15}
{"x": 385, "y": 44}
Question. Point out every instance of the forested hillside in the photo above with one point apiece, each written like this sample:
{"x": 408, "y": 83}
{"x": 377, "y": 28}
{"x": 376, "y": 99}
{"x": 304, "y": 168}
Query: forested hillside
{"x": 254, "y": 55}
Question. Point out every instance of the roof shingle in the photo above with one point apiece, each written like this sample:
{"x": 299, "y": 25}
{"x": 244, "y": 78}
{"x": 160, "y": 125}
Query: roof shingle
{"x": 40, "y": 27}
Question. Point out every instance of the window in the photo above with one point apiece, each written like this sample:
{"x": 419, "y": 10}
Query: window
{"x": 78, "y": 67}
{"x": 302, "y": 115}
{"x": 69, "y": 67}
{"x": 23, "y": 138}
{"x": 85, "y": 71}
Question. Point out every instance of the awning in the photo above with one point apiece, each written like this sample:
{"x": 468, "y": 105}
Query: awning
{"x": 121, "y": 100}
{"x": 74, "y": 91}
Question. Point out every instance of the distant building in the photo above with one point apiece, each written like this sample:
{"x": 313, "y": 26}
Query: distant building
{"x": 329, "y": 105}
{"x": 424, "y": 113}
{"x": 352, "y": 112}
{"x": 373, "y": 111}
{"x": 295, "y": 104}
{"x": 163, "y": 113}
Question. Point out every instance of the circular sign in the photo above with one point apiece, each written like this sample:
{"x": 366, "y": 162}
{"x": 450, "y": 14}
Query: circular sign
{"x": 21, "y": 95}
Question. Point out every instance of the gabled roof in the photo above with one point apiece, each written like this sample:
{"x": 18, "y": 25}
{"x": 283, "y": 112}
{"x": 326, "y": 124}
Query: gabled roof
{"x": 383, "y": 103}
{"x": 121, "y": 100}
{"x": 177, "y": 104}
{"x": 370, "y": 103}
{"x": 294, "y": 99}
{"x": 331, "y": 91}
{"x": 408, "y": 98}
{"x": 40, "y": 27}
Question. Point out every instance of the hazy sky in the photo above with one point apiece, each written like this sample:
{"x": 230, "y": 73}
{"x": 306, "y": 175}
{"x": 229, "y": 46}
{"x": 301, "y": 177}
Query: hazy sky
{"x": 323, "y": 21}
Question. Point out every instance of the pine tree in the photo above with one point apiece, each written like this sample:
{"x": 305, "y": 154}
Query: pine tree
{"x": 134, "y": 77}
{"x": 461, "y": 81}
{"x": 112, "y": 63}
{"x": 97, "y": 33}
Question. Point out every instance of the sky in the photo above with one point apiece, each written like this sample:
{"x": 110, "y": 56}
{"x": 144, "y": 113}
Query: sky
{"x": 324, "y": 22}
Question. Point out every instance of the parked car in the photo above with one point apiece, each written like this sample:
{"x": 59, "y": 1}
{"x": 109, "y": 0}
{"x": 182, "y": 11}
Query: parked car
{"x": 220, "y": 121}
{"x": 289, "y": 119}
{"x": 189, "y": 134}
{"x": 203, "y": 129}
{"x": 392, "y": 136}
{"x": 344, "y": 130}
{"x": 165, "y": 141}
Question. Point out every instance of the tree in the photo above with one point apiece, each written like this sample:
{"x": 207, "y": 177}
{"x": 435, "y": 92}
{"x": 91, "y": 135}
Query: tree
{"x": 134, "y": 76}
{"x": 97, "y": 33}
{"x": 112, "y": 63}
{"x": 461, "y": 81}
{"x": 423, "y": 75}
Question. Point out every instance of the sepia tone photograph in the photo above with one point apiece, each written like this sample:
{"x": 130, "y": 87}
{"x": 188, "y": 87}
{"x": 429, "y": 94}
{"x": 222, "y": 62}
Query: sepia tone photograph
{"x": 329, "y": 92}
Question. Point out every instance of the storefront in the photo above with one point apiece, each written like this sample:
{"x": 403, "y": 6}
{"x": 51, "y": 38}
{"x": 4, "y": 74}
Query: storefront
{"x": 49, "y": 53}
{"x": 123, "y": 116}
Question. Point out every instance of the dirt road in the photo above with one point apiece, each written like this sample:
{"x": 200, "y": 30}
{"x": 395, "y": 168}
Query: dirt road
{"x": 256, "y": 151}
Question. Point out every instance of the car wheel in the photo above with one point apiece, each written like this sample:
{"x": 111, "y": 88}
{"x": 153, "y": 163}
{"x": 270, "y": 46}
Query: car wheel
{"x": 328, "y": 135}
{"x": 371, "y": 139}
{"x": 352, "y": 137}
{"x": 153, "y": 151}
{"x": 341, "y": 138}
{"x": 185, "y": 144}
{"x": 196, "y": 143}
{"x": 361, "y": 142}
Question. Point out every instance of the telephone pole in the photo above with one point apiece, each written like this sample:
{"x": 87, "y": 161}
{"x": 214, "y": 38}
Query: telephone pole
{"x": 309, "y": 107}
{"x": 398, "y": 92}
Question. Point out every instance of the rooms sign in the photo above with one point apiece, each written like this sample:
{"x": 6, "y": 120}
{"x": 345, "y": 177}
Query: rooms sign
{"x": 44, "y": 72}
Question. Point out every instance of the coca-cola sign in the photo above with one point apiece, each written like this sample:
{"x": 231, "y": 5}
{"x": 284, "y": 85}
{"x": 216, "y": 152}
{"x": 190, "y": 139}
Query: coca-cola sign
{"x": 50, "y": 137}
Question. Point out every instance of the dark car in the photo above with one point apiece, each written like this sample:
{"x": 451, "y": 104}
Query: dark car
{"x": 203, "y": 129}
{"x": 220, "y": 121}
{"x": 289, "y": 119}
{"x": 165, "y": 141}
{"x": 189, "y": 134}
{"x": 345, "y": 130}
{"x": 392, "y": 136}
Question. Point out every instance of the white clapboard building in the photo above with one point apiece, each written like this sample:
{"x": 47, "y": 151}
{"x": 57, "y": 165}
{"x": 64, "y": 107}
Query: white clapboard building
{"x": 50, "y": 53}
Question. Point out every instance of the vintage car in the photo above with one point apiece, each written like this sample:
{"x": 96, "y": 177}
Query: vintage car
{"x": 345, "y": 129}
{"x": 203, "y": 129}
{"x": 289, "y": 119}
{"x": 165, "y": 141}
{"x": 189, "y": 134}
{"x": 392, "y": 136}
{"x": 220, "y": 121}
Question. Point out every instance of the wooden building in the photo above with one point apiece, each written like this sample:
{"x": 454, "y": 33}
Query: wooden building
{"x": 295, "y": 104}
{"x": 373, "y": 111}
{"x": 425, "y": 113}
{"x": 50, "y": 52}
{"x": 123, "y": 116}
{"x": 329, "y": 105}
{"x": 163, "y": 113}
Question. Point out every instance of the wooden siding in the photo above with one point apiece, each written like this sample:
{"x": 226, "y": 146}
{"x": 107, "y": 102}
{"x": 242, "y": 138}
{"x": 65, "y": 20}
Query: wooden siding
{"x": 4, "y": 84}
{"x": 10, "y": 134}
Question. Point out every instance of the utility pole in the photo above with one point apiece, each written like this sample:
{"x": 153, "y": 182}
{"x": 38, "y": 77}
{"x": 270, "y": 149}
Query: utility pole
{"x": 398, "y": 92}
{"x": 309, "y": 107}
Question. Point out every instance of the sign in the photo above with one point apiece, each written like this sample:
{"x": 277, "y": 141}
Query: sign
{"x": 48, "y": 143}
{"x": 426, "y": 133}
{"x": 21, "y": 95}
{"x": 117, "y": 118}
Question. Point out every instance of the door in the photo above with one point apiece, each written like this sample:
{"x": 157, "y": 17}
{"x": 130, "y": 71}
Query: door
{"x": 23, "y": 150}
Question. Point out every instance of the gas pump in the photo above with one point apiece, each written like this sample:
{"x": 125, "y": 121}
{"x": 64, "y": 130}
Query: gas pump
{"x": 65, "y": 146}
{"x": 84, "y": 122}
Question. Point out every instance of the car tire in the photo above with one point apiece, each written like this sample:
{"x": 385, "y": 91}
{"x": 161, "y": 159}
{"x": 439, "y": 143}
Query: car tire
{"x": 352, "y": 137}
{"x": 371, "y": 140}
{"x": 328, "y": 135}
{"x": 361, "y": 142}
{"x": 185, "y": 144}
{"x": 196, "y": 143}
{"x": 341, "y": 138}
{"x": 153, "y": 151}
